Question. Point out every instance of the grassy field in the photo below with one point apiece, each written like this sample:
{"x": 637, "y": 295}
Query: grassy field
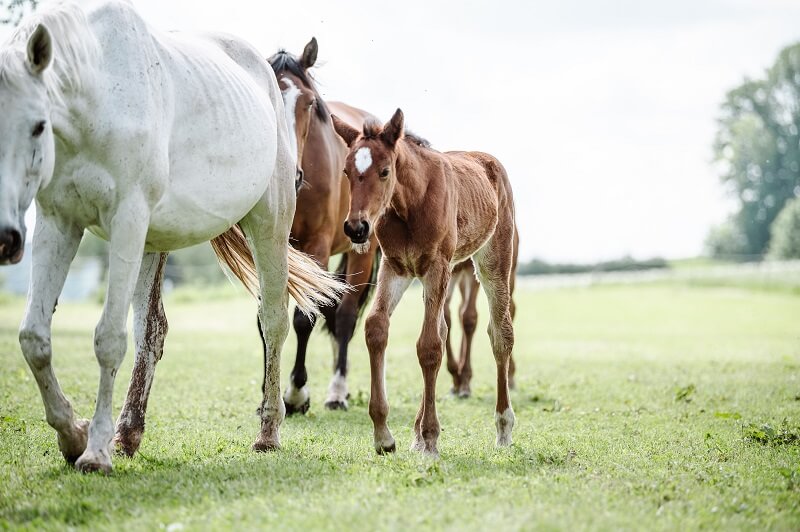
{"x": 656, "y": 407}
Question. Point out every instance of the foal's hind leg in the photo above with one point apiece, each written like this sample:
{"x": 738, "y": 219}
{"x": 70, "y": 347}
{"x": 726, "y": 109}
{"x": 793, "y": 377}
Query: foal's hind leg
{"x": 149, "y": 331}
{"x": 452, "y": 363}
{"x": 468, "y": 313}
{"x": 493, "y": 266}
{"x": 54, "y": 247}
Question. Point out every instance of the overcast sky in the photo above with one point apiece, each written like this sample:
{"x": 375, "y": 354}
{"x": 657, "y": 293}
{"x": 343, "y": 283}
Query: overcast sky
{"x": 603, "y": 112}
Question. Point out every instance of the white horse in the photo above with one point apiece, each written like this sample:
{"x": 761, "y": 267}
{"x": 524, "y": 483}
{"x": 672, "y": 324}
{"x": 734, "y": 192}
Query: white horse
{"x": 154, "y": 142}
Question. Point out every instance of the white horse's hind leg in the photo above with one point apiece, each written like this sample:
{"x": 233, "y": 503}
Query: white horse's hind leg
{"x": 128, "y": 231}
{"x": 54, "y": 247}
{"x": 267, "y": 228}
{"x": 149, "y": 331}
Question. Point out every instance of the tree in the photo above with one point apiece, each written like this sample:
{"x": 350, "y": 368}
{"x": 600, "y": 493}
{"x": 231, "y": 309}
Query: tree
{"x": 785, "y": 242}
{"x": 758, "y": 148}
{"x": 12, "y": 11}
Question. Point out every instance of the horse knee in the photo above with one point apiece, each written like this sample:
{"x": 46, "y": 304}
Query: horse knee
{"x": 36, "y": 347}
{"x": 469, "y": 321}
{"x": 377, "y": 332}
{"x": 110, "y": 345}
{"x": 429, "y": 353}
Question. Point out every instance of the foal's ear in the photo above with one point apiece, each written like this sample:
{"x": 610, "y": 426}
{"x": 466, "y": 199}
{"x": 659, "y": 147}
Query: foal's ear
{"x": 348, "y": 134}
{"x": 310, "y": 54}
{"x": 40, "y": 50}
{"x": 393, "y": 130}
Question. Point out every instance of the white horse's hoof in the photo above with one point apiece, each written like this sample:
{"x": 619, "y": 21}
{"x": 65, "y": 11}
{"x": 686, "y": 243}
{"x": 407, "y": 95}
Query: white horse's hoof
{"x": 73, "y": 445}
{"x": 91, "y": 462}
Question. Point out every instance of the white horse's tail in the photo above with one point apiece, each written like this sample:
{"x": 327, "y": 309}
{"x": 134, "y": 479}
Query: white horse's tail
{"x": 309, "y": 284}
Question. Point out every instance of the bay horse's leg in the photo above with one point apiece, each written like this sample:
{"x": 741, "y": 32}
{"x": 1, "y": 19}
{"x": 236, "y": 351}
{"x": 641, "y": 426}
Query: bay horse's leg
{"x": 149, "y": 331}
{"x": 493, "y": 266}
{"x": 297, "y": 398}
{"x": 469, "y": 322}
{"x": 54, "y": 247}
{"x": 512, "y": 366}
{"x": 452, "y": 363}
{"x": 391, "y": 288}
{"x": 358, "y": 273}
{"x": 430, "y": 347}
{"x": 127, "y": 236}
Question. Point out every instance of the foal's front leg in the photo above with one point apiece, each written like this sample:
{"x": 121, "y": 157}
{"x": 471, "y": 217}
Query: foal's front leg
{"x": 429, "y": 352}
{"x": 54, "y": 247}
{"x": 128, "y": 232}
{"x": 149, "y": 331}
{"x": 391, "y": 287}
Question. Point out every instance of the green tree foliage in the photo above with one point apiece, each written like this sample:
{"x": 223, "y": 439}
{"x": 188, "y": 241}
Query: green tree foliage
{"x": 12, "y": 11}
{"x": 758, "y": 148}
{"x": 785, "y": 242}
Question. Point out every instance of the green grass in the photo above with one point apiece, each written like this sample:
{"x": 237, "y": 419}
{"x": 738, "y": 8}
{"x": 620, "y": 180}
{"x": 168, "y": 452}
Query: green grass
{"x": 638, "y": 407}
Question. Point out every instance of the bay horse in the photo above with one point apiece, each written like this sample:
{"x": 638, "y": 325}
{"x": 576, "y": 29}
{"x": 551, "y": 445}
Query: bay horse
{"x": 430, "y": 211}
{"x": 464, "y": 278}
{"x": 322, "y": 204}
{"x": 153, "y": 141}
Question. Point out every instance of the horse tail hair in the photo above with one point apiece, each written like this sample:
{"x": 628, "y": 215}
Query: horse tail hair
{"x": 309, "y": 285}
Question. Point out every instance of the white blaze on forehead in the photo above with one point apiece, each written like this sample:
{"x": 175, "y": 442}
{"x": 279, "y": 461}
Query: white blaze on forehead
{"x": 363, "y": 159}
{"x": 290, "y": 95}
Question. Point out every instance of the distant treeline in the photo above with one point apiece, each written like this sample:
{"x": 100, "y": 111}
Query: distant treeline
{"x": 625, "y": 264}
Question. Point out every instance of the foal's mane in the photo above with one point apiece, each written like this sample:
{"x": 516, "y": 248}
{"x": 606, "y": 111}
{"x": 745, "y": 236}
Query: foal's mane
{"x": 373, "y": 128}
{"x": 75, "y": 50}
{"x": 284, "y": 61}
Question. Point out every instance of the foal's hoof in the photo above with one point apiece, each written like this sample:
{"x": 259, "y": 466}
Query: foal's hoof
{"x": 73, "y": 445}
{"x": 94, "y": 463}
{"x": 464, "y": 393}
{"x": 297, "y": 409}
{"x": 265, "y": 446}
{"x": 383, "y": 449}
{"x": 336, "y": 405}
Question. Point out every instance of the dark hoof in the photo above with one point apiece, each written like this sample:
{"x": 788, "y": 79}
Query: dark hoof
{"x": 381, "y": 450}
{"x": 302, "y": 409}
{"x": 94, "y": 468}
{"x": 336, "y": 405}
{"x": 266, "y": 446}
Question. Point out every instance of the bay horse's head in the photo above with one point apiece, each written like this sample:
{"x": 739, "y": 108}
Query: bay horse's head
{"x": 301, "y": 101}
{"x": 370, "y": 168}
{"x": 27, "y": 148}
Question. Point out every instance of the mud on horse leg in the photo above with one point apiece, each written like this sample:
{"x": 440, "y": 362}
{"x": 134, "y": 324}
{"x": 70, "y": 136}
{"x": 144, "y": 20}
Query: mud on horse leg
{"x": 149, "y": 329}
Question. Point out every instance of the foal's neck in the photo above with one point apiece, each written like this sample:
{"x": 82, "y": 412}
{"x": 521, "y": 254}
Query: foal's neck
{"x": 411, "y": 184}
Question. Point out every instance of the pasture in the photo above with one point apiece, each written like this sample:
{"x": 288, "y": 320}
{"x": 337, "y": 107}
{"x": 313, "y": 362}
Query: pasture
{"x": 637, "y": 407}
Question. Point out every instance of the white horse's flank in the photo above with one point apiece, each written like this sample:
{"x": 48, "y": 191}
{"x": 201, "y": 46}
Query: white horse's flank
{"x": 155, "y": 142}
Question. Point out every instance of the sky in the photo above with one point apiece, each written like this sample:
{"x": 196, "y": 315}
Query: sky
{"x": 603, "y": 112}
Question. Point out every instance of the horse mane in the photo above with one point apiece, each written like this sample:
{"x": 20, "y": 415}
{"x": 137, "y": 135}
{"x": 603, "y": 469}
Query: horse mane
{"x": 75, "y": 50}
{"x": 284, "y": 61}
{"x": 373, "y": 128}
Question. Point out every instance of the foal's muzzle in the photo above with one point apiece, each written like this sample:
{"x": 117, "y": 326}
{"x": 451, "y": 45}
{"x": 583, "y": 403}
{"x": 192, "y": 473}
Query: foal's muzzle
{"x": 357, "y": 231}
{"x": 10, "y": 246}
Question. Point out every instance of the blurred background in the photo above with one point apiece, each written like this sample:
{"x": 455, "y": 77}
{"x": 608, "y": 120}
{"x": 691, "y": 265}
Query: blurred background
{"x": 658, "y": 136}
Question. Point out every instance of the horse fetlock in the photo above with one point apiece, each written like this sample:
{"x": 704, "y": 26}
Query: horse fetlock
{"x": 36, "y": 348}
{"x": 296, "y": 400}
{"x": 72, "y": 439}
{"x": 337, "y": 393}
{"x": 269, "y": 439}
{"x": 504, "y": 421}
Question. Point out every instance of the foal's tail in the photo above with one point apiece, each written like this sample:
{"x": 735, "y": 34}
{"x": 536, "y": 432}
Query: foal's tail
{"x": 309, "y": 284}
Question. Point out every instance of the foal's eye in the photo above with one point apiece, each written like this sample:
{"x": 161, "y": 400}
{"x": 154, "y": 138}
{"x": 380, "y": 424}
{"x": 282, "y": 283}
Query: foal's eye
{"x": 38, "y": 129}
{"x": 384, "y": 172}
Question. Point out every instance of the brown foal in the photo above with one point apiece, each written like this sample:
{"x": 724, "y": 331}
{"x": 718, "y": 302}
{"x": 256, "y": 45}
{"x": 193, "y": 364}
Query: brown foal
{"x": 322, "y": 203}
{"x": 430, "y": 211}
{"x": 464, "y": 278}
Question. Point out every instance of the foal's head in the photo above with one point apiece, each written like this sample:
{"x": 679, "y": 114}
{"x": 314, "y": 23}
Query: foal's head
{"x": 27, "y": 148}
{"x": 370, "y": 168}
{"x": 301, "y": 101}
